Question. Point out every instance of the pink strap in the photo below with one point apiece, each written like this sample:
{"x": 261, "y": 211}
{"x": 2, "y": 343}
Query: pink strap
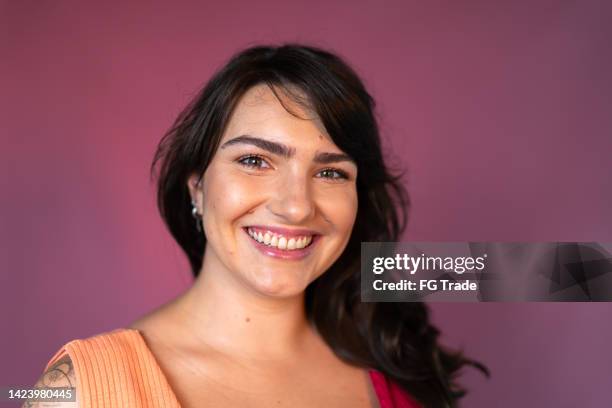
{"x": 389, "y": 394}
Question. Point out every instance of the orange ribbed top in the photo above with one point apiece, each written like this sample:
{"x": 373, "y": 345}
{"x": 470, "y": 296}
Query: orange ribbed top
{"x": 117, "y": 369}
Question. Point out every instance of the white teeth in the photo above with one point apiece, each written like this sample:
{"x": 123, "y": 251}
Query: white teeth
{"x": 291, "y": 243}
{"x": 279, "y": 241}
{"x": 300, "y": 243}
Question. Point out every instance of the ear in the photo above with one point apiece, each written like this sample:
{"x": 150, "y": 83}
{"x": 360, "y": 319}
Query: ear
{"x": 194, "y": 184}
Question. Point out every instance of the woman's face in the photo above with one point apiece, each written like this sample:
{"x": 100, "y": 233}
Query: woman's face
{"x": 278, "y": 199}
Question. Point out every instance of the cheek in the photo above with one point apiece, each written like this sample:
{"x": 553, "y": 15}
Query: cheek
{"x": 228, "y": 196}
{"x": 340, "y": 209}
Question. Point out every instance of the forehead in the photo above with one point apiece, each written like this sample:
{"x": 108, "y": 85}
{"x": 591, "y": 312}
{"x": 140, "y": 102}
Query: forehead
{"x": 276, "y": 114}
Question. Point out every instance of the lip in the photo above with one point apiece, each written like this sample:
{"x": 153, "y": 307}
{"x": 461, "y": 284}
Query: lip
{"x": 295, "y": 254}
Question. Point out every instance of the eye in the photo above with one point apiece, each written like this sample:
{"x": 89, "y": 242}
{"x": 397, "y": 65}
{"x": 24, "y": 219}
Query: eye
{"x": 333, "y": 174}
{"x": 253, "y": 161}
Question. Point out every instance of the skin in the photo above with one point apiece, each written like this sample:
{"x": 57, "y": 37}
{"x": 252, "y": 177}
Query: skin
{"x": 239, "y": 337}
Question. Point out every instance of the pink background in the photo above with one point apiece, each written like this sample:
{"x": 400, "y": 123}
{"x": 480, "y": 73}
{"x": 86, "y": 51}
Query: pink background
{"x": 499, "y": 111}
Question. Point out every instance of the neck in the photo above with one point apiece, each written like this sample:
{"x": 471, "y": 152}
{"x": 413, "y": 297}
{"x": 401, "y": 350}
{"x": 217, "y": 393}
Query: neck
{"x": 224, "y": 313}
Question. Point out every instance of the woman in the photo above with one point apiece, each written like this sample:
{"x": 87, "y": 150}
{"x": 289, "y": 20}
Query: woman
{"x": 269, "y": 181}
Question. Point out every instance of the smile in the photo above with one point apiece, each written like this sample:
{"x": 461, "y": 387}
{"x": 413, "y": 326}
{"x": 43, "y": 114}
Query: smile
{"x": 280, "y": 241}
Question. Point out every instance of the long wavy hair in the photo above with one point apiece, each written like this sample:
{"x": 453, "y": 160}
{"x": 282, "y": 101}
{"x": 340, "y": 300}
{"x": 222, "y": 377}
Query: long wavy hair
{"x": 396, "y": 339}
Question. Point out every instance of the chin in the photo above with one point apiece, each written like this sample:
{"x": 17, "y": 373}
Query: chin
{"x": 275, "y": 286}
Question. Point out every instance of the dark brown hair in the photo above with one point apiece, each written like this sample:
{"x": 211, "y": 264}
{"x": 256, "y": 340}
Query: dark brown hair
{"x": 394, "y": 338}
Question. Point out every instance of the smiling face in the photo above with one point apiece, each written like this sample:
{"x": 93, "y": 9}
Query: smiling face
{"x": 278, "y": 199}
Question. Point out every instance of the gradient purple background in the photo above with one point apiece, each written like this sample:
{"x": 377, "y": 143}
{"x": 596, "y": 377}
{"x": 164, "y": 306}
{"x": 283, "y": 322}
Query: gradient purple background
{"x": 500, "y": 112}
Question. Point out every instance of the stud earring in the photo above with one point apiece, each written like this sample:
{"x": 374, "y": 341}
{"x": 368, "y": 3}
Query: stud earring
{"x": 196, "y": 215}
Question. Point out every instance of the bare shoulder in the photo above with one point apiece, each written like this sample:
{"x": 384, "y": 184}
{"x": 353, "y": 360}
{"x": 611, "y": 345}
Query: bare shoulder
{"x": 59, "y": 374}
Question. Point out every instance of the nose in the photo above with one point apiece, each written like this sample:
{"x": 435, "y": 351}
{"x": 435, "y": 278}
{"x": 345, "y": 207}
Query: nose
{"x": 293, "y": 201}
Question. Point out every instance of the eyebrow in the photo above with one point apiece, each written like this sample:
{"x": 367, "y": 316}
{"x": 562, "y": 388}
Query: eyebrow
{"x": 285, "y": 151}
